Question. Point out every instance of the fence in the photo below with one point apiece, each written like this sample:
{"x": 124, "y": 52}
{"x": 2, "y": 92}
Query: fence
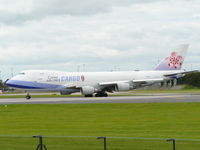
{"x": 94, "y": 143}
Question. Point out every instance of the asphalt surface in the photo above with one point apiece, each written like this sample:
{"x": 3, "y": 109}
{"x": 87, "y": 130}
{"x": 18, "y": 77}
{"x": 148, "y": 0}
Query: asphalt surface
{"x": 161, "y": 98}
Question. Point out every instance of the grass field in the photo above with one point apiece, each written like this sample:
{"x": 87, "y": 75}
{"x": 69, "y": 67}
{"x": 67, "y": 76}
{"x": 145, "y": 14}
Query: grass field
{"x": 178, "y": 120}
{"x": 149, "y": 120}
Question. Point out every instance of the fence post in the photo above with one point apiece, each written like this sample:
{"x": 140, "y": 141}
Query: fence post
{"x": 104, "y": 141}
{"x": 40, "y": 145}
{"x": 173, "y": 143}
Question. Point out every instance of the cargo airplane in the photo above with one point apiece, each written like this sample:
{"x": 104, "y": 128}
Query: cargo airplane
{"x": 99, "y": 83}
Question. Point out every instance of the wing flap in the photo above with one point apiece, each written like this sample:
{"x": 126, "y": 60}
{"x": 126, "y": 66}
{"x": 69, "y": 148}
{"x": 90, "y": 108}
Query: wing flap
{"x": 146, "y": 81}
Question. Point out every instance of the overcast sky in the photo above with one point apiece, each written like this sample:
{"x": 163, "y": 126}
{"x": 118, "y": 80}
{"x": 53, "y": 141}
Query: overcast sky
{"x": 102, "y": 35}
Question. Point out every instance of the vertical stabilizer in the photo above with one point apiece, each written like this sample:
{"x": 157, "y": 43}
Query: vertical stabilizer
{"x": 175, "y": 60}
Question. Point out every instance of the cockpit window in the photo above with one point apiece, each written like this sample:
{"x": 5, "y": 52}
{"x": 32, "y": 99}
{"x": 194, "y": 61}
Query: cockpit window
{"x": 22, "y": 73}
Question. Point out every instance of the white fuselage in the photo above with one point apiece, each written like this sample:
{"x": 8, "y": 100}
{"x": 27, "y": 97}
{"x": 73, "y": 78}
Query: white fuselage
{"x": 40, "y": 80}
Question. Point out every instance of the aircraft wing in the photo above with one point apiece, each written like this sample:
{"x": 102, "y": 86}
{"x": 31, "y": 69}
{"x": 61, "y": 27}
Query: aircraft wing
{"x": 147, "y": 81}
{"x": 112, "y": 83}
{"x": 179, "y": 74}
{"x": 133, "y": 82}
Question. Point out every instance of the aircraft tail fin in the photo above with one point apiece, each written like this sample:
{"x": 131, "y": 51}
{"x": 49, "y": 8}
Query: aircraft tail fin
{"x": 175, "y": 60}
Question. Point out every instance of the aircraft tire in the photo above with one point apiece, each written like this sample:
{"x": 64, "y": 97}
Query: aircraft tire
{"x": 105, "y": 95}
{"x": 101, "y": 95}
{"x": 89, "y": 95}
{"x": 28, "y": 97}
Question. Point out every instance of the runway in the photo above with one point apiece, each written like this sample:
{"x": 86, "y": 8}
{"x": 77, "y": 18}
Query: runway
{"x": 161, "y": 98}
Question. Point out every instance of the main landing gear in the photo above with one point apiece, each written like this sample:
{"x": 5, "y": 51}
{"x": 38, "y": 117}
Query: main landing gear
{"x": 89, "y": 95}
{"x": 99, "y": 94}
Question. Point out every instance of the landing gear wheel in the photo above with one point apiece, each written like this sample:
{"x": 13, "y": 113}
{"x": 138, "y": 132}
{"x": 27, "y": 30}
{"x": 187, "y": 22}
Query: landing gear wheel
{"x": 89, "y": 95}
{"x": 98, "y": 95}
{"x": 28, "y": 97}
{"x": 105, "y": 95}
{"x": 102, "y": 94}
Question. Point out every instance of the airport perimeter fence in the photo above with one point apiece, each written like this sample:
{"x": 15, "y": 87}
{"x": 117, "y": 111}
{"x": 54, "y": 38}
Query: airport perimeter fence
{"x": 94, "y": 143}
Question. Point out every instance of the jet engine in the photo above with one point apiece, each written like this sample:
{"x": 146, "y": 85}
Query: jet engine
{"x": 122, "y": 87}
{"x": 87, "y": 90}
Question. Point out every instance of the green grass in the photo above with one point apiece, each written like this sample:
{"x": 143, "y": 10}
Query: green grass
{"x": 149, "y": 120}
{"x": 190, "y": 87}
{"x": 160, "y": 120}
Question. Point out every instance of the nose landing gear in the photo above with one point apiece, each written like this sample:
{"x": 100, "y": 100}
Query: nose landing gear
{"x": 28, "y": 96}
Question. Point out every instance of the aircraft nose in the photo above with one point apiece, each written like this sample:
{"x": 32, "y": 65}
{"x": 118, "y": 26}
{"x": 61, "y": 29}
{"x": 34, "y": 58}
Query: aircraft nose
{"x": 13, "y": 83}
{"x": 9, "y": 82}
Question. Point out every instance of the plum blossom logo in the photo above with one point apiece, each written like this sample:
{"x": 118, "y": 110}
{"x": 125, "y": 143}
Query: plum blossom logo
{"x": 174, "y": 61}
{"x": 82, "y": 78}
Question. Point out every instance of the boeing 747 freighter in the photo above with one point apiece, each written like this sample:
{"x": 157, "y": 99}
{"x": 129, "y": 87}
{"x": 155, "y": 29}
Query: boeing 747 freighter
{"x": 99, "y": 83}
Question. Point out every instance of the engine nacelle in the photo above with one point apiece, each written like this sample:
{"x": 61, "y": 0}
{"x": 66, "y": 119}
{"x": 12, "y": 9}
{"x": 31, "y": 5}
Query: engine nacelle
{"x": 87, "y": 90}
{"x": 122, "y": 87}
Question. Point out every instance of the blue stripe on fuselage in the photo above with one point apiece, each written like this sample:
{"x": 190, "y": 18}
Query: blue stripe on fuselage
{"x": 32, "y": 85}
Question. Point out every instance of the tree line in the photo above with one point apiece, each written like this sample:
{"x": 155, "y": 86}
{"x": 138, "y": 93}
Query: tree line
{"x": 3, "y": 86}
{"x": 192, "y": 79}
